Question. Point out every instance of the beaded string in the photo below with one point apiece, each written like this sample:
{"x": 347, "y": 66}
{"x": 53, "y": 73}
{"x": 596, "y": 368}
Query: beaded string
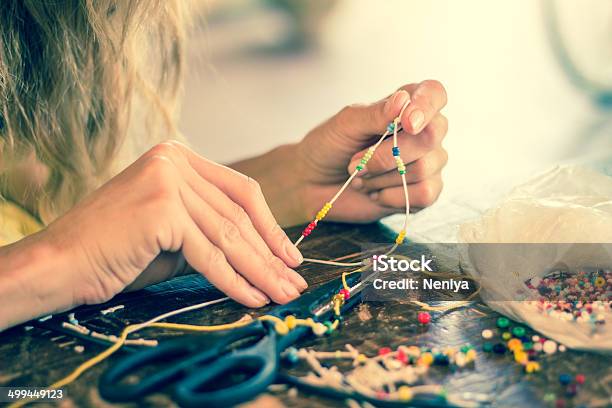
{"x": 392, "y": 128}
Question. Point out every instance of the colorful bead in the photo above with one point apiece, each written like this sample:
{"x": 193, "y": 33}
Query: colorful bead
{"x": 580, "y": 379}
{"x": 532, "y": 367}
{"x": 521, "y": 357}
{"x": 396, "y": 151}
{"x": 384, "y": 351}
{"x": 323, "y": 212}
{"x": 571, "y": 390}
{"x": 518, "y": 331}
{"x": 401, "y": 356}
{"x": 400, "y": 237}
{"x": 361, "y": 358}
{"x": 309, "y": 229}
{"x": 404, "y": 393}
{"x": 425, "y": 359}
{"x": 487, "y": 334}
{"x": 345, "y": 294}
{"x": 565, "y": 379}
{"x": 330, "y": 327}
{"x": 391, "y": 127}
{"x": 424, "y": 317}
{"x": 515, "y": 344}
{"x": 549, "y": 347}
{"x": 506, "y": 335}
{"x": 503, "y": 322}
{"x": 487, "y": 347}
{"x": 359, "y": 167}
{"x": 499, "y": 348}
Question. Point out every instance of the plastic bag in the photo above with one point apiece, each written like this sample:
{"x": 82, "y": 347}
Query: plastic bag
{"x": 567, "y": 204}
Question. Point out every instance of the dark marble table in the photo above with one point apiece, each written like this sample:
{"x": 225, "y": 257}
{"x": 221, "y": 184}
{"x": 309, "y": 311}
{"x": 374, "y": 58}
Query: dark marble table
{"x": 38, "y": 357}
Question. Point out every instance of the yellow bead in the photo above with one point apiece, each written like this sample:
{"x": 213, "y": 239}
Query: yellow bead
{"x": 400, "y": 237}
{"x": 521, "y": 357}
{"x": 290, "y": 322}
{"x": 532, "y": 367}
{"x": 323, "y": 212}
{"x": 470, "y": 355}
{"x": 404, "y": 393}
{"x": 426, "y": 359}
{"x": 361, "y": 358}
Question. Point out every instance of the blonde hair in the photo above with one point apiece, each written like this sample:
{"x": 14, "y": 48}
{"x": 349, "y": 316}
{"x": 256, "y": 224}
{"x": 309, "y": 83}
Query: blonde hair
{"x": 72, "y": 75}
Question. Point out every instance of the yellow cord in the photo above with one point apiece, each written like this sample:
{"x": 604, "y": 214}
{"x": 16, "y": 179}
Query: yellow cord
{"x": 281, "y": 326}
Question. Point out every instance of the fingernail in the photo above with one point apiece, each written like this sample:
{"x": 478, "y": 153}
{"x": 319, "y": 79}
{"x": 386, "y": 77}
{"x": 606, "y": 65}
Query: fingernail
{"x": 293, "y": 252}
{"x": 416, "y": 120}
{"x": 260, "y": 297}
{"x": 297, "y": 280}
{"x": 289, "y": 289}
{"x": 357, "y": 183}
{"x": 397, "y": 101}
{"x": 374, "y": 196}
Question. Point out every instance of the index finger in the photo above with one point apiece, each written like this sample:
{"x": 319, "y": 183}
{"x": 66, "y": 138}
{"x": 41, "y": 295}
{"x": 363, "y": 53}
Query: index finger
{"x": 246, "y": 192}
{"x": 426, "y": 100}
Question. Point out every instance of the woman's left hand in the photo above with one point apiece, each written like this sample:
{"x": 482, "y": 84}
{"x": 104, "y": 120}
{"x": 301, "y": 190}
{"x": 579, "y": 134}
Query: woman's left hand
{"x": 330, "y": 152}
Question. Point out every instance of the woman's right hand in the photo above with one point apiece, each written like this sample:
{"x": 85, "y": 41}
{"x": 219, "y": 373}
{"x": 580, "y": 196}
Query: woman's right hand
{"x": 171, "y": 199}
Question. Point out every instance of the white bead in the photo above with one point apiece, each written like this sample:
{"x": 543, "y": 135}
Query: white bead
{"x": 487, "y": 334}
{"x": 549, "y": 347}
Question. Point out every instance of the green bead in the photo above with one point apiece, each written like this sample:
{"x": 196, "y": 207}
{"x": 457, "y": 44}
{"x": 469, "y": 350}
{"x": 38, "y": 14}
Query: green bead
{"x": 359, "y": 167}
{"x": 503, "y": 322}
{"x": 527, "y": 345}
{"x": 466, "y": 348}
{"x": 518, "y": 331}
{"x": 402, "y": 172}
{"x": 329, "y": 327}
{"x": 488, "y": 347}
{"x": 363, "y": 161}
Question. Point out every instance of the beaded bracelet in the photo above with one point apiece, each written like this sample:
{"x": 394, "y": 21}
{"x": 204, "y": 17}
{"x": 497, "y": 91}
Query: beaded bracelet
{"x": 392, "y": 129}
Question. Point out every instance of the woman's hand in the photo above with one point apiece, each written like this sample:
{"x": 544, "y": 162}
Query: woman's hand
{"x": 298, "y": 179}
{"x": 330, "y": 152}
{"x": 173, "y": 200}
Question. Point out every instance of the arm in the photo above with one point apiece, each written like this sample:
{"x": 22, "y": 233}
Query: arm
{"x": 33, "y": 281}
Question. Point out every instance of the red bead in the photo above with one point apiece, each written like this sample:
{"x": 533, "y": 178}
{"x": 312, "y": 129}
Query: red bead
{"x": 401, "y": 356}
{"x": 580, "y": 378}
{"x": 345, "y": 293}
{"x": 384, "y": 351}
{"x": 424, "y": 317}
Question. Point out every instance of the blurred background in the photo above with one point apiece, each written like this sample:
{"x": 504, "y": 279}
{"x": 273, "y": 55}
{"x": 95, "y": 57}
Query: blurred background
{"x": 529, "y": 82}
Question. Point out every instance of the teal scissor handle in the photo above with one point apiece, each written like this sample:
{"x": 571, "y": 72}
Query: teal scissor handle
{"x": 221, "y": 369}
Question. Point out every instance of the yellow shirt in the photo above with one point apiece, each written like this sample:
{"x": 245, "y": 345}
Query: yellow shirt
{"x": 15, "y": 223}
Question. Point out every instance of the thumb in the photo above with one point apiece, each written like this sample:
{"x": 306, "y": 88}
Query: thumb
{"x": 360, "y": 122}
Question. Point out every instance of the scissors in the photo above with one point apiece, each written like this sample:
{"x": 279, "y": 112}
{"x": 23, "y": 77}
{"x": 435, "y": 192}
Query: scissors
{"x": 240, "y": 365}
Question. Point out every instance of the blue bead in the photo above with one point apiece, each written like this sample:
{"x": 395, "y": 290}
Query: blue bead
{"x": 396, "y": 151}
{"x": 391, "y": 127}
{"x": 565, "y": 379}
